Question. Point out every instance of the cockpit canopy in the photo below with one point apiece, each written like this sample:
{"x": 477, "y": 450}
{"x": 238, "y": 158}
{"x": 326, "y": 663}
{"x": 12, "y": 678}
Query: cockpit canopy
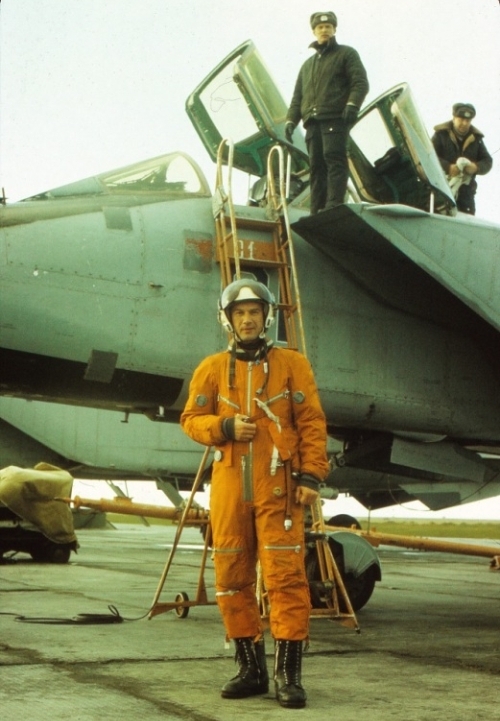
{"x": 239, "y": 101}
{"x": 174, "y": 176}
{"x": 391, "y": 157}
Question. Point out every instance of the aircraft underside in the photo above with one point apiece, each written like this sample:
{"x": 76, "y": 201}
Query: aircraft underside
{"x": 99, "y": 385}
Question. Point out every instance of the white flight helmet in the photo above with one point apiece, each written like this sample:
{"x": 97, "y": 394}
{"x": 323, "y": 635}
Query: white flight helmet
{"x": 246, "y": 289}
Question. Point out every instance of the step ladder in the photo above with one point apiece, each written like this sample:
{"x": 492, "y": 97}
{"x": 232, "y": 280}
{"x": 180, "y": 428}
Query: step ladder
{"x": 245, "y": 242}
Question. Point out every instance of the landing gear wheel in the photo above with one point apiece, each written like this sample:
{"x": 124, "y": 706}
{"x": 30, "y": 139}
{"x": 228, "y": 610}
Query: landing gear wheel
{"x": 181, "y": 611}
{"x": 344, "y": 520}
{"x": 359, "y": 588}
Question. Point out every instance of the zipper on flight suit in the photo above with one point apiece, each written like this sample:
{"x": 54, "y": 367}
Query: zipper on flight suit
{"x": 247, "y": 475}
{"x": 247, "y": 460}
{"x": 296, "y": 549}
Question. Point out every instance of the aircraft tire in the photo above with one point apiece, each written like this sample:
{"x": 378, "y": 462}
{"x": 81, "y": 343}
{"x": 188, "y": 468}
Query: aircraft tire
{"x": 359, "y": 588}
{"x": 344, "y": 520}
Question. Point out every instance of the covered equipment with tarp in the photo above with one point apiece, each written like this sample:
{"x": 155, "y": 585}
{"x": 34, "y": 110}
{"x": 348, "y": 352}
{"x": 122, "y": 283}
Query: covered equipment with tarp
{"x": 32, "y": 519}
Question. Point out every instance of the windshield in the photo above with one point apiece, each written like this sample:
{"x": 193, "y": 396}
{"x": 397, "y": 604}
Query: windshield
{"x": 417, "y": 139}
{"x": 226, "y": 106}
{"x": 175, "y": 175}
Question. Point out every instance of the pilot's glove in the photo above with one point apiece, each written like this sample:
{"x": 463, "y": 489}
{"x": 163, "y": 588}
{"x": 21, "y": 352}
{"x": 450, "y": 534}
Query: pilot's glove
{"x": 289, "y": 128}
{"x": 350, "y": 115}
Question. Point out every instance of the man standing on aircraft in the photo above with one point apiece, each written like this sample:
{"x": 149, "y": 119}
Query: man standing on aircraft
{"x": 329, "y": 91}
{"x": 462, "y": 153}
{"x": 259, "y": 406}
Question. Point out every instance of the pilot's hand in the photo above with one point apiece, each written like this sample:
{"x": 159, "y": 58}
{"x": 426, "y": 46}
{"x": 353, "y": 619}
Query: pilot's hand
{"x": 350, "y": 115}
{"x": 243, "y": 430}
{"x": 453, "y": 171}
{"x": 305, "y": 496}
{"x": 289, "y": 128}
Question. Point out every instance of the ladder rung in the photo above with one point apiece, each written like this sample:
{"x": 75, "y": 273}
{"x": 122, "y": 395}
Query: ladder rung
{"x": 256, "y": 223}
{"x": 256, "y": 262}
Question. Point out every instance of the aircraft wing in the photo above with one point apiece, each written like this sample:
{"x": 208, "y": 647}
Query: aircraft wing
{"x": 94, "y": 443}
{"x": 411, "y": 258}
{"x": 434, "y": 268}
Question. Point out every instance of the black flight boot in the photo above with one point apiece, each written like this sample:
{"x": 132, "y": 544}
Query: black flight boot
{"x": 287, "y": 674}
{"x": 252, "y": 678}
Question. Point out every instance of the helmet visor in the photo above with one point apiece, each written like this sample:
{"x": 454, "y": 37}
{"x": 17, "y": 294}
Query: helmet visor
{"x": 245, "y": 290}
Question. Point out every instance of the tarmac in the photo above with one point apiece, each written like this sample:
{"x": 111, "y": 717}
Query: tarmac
{"x": 427, "y": 647}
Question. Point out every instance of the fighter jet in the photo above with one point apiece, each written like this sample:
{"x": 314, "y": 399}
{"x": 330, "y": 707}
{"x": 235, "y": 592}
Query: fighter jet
{"x": 110, "y": 288}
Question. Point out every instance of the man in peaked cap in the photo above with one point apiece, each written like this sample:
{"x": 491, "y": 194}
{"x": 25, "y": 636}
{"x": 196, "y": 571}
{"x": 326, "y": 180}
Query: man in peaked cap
{"x": 329, "y": 91}
{"x": 462, "y": 153}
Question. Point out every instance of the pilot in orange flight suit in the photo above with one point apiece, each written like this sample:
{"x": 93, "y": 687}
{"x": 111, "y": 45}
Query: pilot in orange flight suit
{"x": 259, "y": 407}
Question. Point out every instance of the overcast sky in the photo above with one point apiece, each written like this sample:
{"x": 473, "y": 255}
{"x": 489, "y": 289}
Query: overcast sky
{"x": 91, "y": 86}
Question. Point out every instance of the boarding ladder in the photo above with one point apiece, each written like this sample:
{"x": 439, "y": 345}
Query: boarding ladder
{"x": 245, "y": 242}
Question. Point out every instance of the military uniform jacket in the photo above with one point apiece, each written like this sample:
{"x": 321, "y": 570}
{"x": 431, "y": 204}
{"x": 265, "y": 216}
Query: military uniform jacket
{"x": 327, "y": 81}
{"x": 449, "y": 149}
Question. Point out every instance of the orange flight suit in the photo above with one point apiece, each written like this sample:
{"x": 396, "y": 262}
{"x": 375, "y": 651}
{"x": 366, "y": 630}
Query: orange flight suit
{"x": 248, "y": 490}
